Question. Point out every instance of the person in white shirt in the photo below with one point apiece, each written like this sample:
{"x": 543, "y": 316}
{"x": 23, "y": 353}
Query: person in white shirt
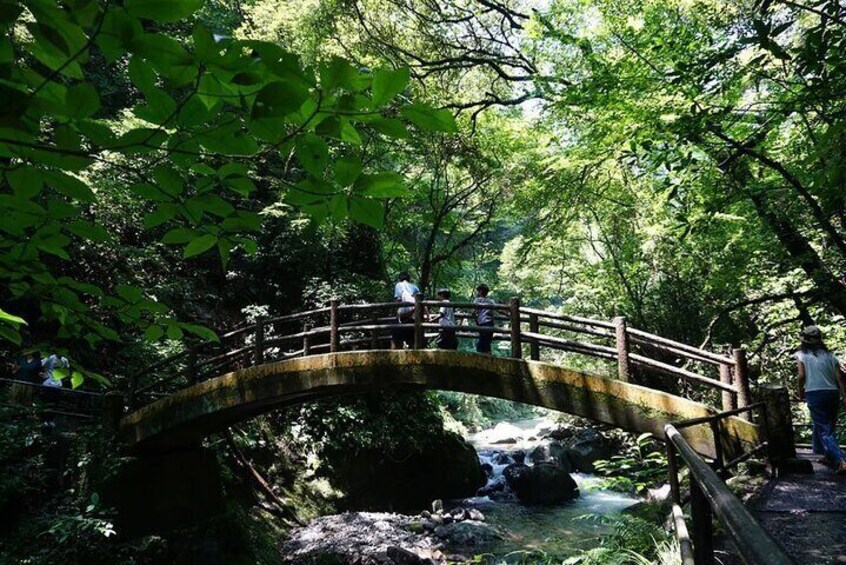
{"x": 404, "y": 291}
{"x": 820, "y": 383}
{"x": 446, "y": 320}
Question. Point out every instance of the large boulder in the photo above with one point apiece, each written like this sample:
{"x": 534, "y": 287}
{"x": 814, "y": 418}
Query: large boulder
{"x": 551, "y": 452}
{"x": 586, "y": 447}
{"x": 447, "y": 468}
{"x": 542, "y": 484}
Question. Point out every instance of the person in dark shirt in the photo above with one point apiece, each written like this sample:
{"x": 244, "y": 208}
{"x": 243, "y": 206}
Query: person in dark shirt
{"x": 27, "y": 367}
{"x": 484, "y": 317}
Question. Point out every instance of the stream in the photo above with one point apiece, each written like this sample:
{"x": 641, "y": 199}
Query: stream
{"x": 494, "y": 528}
{"x": 558, "y": 531}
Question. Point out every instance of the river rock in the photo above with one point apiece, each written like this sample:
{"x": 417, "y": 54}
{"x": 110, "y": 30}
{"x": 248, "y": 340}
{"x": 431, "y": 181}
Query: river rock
{"x": 586, "y": 447}
{"x": 474, "y": 514}
{"x": 551, "y": 452}
{"x": 446, "y": 468}
{"x": 502, "y": 458}
{"x": 487, "y": 469}
{"x": 400, "y": 556}
{"x": 562, "y": 432}
{"x": 543, "y": 484}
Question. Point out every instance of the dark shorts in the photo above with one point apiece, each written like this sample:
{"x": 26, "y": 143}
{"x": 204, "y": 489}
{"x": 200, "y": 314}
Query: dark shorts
{"x": 403, "y": 333}
{"x": 447, "y": 339}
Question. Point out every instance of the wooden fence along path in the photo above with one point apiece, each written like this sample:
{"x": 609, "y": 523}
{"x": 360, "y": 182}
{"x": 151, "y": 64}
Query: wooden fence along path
{"x": 720, "y": 379}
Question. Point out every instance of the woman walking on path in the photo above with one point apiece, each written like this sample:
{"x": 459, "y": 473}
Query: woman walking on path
{"x": 819, "y": 378}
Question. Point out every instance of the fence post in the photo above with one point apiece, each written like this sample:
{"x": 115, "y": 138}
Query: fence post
{"x": 703, "y": 535}
{"x": 741, "y": 379}
{"x": 192, "y": 365}
{"x": 131, "y": 395}
{"x": 419, "y": 334}
{"x": 534, "y": 346}
{"x": 306, "y": 339}
{"x": 259, "y": 346}
{"x": 673, "y": 472}
{"x": 334, "y": 339}
{"x": 516, "y": 343}
{"x": 719, "y": 462}
{"x": 112, "y": 409}
{"x": 729, "y": 400}
{"x": 623, "y": 366}
{"x": 778, "y": 424}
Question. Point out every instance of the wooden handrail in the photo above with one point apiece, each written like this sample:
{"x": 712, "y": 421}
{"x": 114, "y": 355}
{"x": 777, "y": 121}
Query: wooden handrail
{"x": 710, "y": 496}
{"x": 258, "y": 338}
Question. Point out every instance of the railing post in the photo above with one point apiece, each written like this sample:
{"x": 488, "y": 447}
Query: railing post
{"x": 703, "y": 535}
{"x": 623, "y": 366}
{"x": 729, "y": 401}
{"x": 534, "y": 346}
{"x": 334, "y": 338}
{"x": 192, "y": 365}
{"x": 306, "y": 339}
{"x": 112, "y": 409}
{"x": 673, "y": 473}
{"x": 777, "y": 424}
{"x": 374, "y": 339}
{"x": 741, "y": 379}
{"x": 259, "y": 345}
{"x": 516, "y": 343}
{"x": 419, "y": 334}
{"x": 718, "y": 447}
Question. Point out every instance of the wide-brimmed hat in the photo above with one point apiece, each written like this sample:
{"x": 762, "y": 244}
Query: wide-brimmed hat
{"x": 811, "y": 334}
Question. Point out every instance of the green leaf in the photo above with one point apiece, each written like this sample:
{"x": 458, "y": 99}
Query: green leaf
{"x": 367, "y": 211}
{"x": 430, "y": 119}
{"x": 81, "y": 101}
{"x": 70, "y": 186}
{"x": 381, "y": 185}
{"x": 168, "y": 179}
{"x": 10, "y": 334}
{"x": 11, "y": 318}
{"x": 349, "y": 133}
{"x": 347, "y": 170}
{"x": 165, "y": 11}
{"x": 313, "y": 154}
{"x": 388, "y": 83}
{"x": 199, "y": 245}
{"x": 142, "y": 75}
{"x": 163, "y": 213}
{"x": 340, "y": 73}
{"x": 278, "y": 99}
{"x": 179, "y": 235}
{"x": 89, "y": 231}
{"x": 390, "y": 127}
{"x": 153, "y": 333}
{"x": 25, "y": 181}
{"x": 76, "y": 379}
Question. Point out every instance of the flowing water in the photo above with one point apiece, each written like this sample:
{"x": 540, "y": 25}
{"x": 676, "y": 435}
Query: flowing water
{"x": 558, "y": 531}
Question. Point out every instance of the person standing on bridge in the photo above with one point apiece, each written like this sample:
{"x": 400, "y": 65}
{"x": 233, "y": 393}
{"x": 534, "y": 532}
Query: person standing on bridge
{"x": 404, "y": 291}
{"x": 820, "y": 384}
{"x": 446, "y": 320}
{"x": 484, "y": 317}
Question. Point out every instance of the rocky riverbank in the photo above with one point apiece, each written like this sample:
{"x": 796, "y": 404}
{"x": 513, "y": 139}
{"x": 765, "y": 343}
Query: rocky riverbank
{"x": 530, "y": 504}
{"x": 375, "y": 538}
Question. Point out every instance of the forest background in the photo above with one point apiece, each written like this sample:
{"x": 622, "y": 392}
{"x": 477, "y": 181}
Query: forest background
{"x": 172, "y": 169}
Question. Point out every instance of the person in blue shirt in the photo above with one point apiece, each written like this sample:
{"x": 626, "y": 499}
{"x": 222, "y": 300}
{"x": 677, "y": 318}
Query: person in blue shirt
{"x": 821, "y": 382}
{"x": 404, "y": 291}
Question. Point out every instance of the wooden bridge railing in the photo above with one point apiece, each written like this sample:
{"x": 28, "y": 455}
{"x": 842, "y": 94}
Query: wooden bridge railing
{"x": 710, "y": 497}
{"x": 345, "y": 327}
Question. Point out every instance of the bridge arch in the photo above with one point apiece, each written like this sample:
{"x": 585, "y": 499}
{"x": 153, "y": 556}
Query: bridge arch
{"x": 185, "y": 417}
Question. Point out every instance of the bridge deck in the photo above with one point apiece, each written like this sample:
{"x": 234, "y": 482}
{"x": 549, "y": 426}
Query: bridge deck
{"x": 807, "y": 514}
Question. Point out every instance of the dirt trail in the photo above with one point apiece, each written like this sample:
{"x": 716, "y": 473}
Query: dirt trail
{"x": 806, "y": 514}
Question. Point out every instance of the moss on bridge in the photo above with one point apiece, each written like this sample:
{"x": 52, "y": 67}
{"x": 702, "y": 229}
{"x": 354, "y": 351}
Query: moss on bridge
{"x": 185, "y": 417}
